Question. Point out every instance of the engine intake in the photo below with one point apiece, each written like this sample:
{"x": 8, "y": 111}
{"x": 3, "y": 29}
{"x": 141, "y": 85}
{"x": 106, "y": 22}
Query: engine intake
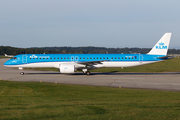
{"x": 66, "y": 68}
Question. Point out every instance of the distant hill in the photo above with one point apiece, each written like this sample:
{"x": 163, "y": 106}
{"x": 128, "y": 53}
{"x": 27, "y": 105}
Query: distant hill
{"x": 78, "y": 50}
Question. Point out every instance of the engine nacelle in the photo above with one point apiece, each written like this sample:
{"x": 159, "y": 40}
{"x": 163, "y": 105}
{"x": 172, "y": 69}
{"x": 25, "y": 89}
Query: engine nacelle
{"x": 66, "y": 68}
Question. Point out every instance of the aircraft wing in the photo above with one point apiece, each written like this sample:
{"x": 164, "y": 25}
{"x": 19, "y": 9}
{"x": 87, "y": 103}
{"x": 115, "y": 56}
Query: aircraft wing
{"x": 89, "y": 63}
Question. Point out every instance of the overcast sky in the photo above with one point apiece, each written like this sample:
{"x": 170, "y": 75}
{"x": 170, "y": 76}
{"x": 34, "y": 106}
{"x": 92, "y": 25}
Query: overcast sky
{"x": 100, "y": 23}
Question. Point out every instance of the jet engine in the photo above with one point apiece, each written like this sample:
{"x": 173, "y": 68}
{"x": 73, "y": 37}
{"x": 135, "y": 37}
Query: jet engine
{"x": 66, "y": 68}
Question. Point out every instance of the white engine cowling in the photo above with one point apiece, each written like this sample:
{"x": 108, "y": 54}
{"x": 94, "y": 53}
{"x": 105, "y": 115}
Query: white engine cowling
{"x": 66, "y": 68}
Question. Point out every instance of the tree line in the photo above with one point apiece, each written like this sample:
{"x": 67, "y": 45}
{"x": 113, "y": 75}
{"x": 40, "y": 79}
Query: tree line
{"x": 78, "y": 50}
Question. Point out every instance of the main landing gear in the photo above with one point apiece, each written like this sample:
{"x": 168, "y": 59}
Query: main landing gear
{"x": 21, "y": 71}
{"x": 85, "y": 71}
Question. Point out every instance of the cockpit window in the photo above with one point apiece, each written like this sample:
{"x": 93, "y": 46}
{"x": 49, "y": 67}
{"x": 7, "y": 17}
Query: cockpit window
{"x": 14, "y": 58}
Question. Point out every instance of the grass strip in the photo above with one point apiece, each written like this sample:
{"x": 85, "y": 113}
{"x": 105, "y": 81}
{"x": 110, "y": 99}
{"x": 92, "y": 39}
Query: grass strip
{"x": 4, "y": 57}
{"x": 24, "y": 100}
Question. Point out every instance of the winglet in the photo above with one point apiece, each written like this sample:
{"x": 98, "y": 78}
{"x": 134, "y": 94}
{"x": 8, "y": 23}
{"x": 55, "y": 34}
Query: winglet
{"x": 161, "y": 46}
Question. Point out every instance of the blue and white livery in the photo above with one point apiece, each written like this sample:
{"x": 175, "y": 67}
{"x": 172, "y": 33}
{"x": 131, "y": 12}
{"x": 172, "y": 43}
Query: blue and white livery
{"x": 70, "y": 63}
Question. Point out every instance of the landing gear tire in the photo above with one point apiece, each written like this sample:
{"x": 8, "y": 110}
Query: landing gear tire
{"x": 22, "y": 73}
{"x": 88, "y": 73}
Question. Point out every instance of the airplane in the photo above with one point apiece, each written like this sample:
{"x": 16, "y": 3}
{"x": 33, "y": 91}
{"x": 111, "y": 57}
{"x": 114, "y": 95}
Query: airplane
{"x": 70, "y": 63}
{"x": 8, "y": 55}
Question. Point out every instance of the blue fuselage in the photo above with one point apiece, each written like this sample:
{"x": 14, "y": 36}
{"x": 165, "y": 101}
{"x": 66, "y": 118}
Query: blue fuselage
{"x": 80, "y": 58}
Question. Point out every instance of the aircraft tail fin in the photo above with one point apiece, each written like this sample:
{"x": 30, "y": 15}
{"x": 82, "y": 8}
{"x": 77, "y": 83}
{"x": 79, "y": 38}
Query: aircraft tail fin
{"x": 161, "y": 46}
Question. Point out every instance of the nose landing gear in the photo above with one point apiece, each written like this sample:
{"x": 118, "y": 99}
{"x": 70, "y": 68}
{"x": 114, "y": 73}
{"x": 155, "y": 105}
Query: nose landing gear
{"x": 21, "y": 71}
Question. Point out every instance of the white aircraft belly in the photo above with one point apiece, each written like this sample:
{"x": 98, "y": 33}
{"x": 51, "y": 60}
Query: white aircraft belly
{"x": 104, "y": 64}
{"x": 40, "y": 64}
{"x": 122, "y": 64}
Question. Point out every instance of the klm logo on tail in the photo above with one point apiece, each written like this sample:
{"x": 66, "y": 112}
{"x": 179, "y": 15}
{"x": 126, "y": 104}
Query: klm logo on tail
{"x": 161, "y": 46}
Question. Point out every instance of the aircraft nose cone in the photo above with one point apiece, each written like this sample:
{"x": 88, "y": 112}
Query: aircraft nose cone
{"x": 7, "y": 63}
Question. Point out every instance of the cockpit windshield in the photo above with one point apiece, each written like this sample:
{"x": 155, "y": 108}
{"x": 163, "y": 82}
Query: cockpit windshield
{"x": 14, "y": 58}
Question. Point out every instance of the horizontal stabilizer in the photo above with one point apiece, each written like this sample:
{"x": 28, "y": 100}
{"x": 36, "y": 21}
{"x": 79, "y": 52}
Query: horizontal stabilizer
{"x": 166, "y": 57}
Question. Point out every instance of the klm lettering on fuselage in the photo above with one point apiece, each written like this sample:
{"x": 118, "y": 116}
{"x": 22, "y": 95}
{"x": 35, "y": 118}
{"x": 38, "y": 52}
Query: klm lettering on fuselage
{"x": 34, "y": 56}
{"x": 161, "y": 46}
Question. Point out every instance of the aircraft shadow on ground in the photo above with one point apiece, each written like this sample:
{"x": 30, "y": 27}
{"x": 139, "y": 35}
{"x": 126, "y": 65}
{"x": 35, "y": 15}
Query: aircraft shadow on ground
{"x": 105, "y": 73}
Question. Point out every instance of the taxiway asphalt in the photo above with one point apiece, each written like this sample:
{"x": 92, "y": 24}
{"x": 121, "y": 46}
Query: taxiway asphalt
{"x": 155, "y": 81}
